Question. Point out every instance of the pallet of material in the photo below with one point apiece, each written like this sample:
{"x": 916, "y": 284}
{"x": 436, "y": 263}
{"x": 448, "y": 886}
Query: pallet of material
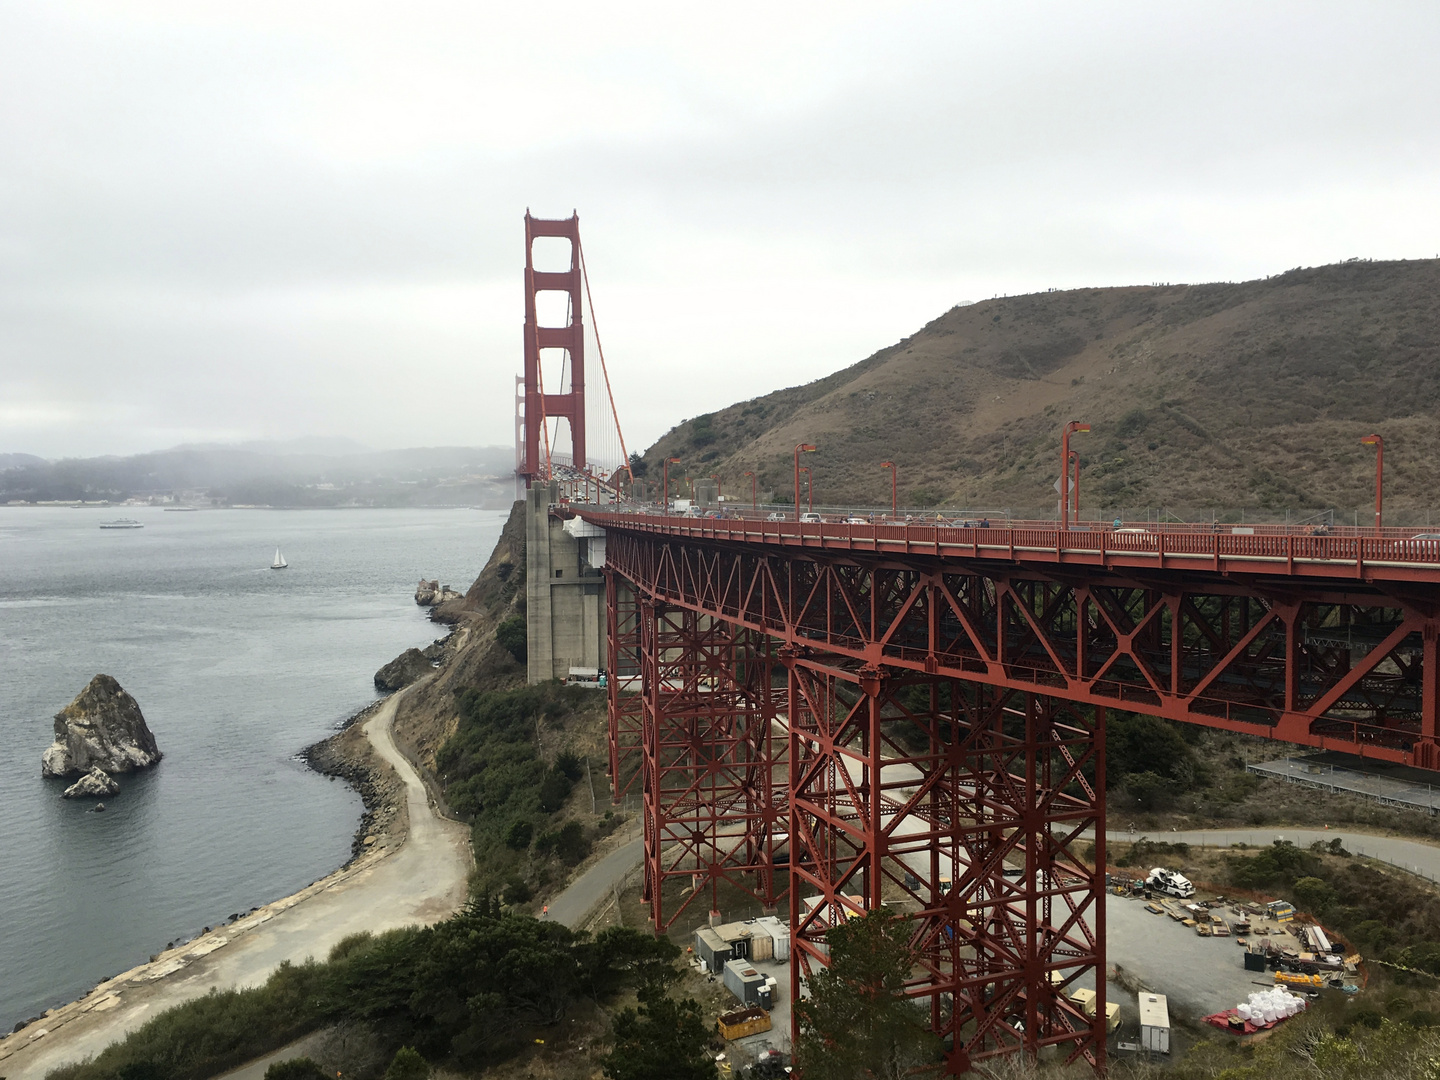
{"x": 1154, "y": 909}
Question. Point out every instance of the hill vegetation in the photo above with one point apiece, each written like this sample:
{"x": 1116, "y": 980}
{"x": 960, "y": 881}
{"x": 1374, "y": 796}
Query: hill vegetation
{"x": 1201, "y": 398}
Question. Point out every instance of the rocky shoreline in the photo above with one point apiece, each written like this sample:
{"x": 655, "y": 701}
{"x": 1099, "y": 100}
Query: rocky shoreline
{"x": 348, "y": 755}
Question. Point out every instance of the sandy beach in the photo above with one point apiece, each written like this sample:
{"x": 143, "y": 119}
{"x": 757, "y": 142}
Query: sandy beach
{"x": 414, "y": 878}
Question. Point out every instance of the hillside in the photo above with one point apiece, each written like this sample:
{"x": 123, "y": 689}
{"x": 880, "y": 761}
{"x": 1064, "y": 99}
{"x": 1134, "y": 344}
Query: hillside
{"x": 1202, "y": 398}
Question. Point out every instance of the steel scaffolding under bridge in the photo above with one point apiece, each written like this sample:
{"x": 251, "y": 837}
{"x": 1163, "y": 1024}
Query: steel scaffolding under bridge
{"x": 854, "y": 714}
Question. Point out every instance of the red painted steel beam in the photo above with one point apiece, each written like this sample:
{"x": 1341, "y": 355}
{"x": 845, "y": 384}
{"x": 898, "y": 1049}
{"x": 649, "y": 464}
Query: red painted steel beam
{"x": 571, "y": 403}
{"x": 1275, "y": 662}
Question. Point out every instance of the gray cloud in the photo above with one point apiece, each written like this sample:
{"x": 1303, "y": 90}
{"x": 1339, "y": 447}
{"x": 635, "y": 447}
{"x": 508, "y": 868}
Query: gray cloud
{"x": 231, "y": 221}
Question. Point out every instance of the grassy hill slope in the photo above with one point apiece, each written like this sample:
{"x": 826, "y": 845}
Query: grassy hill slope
{"x": 1202, "y": 397}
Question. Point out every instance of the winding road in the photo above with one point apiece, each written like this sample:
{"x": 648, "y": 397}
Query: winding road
{"x": 421, "y": 881}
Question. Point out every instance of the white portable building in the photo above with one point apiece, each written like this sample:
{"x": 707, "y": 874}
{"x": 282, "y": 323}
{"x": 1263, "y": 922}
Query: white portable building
{"x": 1154, "y": 1023}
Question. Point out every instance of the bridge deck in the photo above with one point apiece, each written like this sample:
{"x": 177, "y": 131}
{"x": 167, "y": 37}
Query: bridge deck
{"x": 1271, "y": 553}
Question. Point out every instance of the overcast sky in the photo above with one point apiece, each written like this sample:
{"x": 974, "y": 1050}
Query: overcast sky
{"x": 225, "y": 221}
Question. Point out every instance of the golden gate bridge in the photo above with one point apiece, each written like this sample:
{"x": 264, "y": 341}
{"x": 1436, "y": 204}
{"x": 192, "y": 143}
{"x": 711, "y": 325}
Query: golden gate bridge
{"x": 832, "y": 715}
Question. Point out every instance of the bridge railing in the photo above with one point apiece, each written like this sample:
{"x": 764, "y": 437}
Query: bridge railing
{"x": 1169, "y": 547}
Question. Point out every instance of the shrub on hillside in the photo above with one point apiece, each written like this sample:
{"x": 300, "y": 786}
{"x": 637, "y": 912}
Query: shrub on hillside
{"x": 511, "y": 635}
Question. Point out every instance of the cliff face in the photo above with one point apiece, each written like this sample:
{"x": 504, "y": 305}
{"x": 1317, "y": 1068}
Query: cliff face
{"x": 472, "y": 657}
{"x": 102, "y": 728}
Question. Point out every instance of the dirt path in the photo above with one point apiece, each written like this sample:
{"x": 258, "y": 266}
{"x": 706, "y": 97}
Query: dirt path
{"x": 421, "y": 881}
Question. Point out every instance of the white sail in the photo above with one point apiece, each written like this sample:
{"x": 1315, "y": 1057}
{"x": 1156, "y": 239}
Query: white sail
{"x": 279, "y": 563}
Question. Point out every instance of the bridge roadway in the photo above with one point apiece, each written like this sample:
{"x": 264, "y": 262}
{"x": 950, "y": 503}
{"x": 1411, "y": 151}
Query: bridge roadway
{"x": 1269, "y": 551}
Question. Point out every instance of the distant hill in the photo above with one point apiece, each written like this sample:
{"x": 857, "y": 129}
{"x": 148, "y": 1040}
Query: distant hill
{"x": 1201, "y": 398}
{"x": 292, "y": 476}
{"x": 19, "y": 461}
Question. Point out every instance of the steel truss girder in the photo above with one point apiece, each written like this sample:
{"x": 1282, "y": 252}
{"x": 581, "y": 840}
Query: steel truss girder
{"x": 1338, "y": 665}
{"x": 713, "y": 759}
{"x": 945, "y": 801}
{"x": 626, "y": 722}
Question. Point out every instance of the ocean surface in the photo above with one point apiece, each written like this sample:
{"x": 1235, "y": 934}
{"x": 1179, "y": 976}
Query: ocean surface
{"x": 237, "y": 668}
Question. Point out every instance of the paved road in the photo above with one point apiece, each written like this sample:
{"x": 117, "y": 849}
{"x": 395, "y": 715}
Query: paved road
{"x": 592, "y": 888}
{"x": 425, "y": 880}
{"x": 1416, "y": 856}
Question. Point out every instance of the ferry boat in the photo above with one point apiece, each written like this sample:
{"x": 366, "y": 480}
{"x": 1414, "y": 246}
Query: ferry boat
{"x": 122, "y": 523}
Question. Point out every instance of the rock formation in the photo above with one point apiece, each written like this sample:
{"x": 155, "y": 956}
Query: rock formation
{"x": 102, "y": 728}
{"x": 96, "y": 784}
{"x": 431, "y": 593}
{"x": 403, "y": 670}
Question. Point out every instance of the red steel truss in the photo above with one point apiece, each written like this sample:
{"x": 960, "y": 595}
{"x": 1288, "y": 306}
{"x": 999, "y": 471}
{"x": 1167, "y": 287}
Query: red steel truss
{"x": 713, "y": 758}
{"x": 622, "y": 622}
{"x": 1342, "y": 664}
{"x": 945, "y": 714}
{"x": 944, "y": 800}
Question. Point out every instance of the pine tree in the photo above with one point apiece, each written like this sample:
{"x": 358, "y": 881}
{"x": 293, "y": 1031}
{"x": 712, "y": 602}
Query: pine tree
{"x": 857, "y": 1021}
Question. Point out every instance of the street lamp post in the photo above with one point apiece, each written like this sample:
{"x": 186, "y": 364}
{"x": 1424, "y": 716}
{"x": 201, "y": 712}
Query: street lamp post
{"x": 1075, "y": 465}
{"x": 754, "y": 501}
{"x": 665, "y": 495}
{"x": 894, "y": 488}
{"x": 1379, "y": 444}
{"x": 800, "y": 448}
{"x": 1072, "y": 426}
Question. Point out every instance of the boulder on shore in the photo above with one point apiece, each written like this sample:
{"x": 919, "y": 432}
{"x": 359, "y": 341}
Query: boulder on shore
{"x": 431, "y": 593}
{"x": 102, "y": 728}
{"x": 403, "y": 670}
{"x": 96, "y": 784}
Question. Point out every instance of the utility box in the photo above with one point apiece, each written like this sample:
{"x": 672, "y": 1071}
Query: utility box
{"x": 746, "y": 983}
{"x": 712, "y": 949}
{"x": 1154, "y": 1023}
{"x": 779, "y": 936}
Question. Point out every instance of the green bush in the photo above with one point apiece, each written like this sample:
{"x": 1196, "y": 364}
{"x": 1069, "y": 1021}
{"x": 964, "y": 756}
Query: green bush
{"x": 571, "y": 845}
{"x": 516, "y": 891}
{"x": 554, "y": 790}
{"x": 300, "y": 1068}
{"x": 214, "y": 1033}
{"x": 518, "y": 835}
{"x": 571, "y": 765}
{"x": 407, "y": 1065}
{"x": 511, "y": 635}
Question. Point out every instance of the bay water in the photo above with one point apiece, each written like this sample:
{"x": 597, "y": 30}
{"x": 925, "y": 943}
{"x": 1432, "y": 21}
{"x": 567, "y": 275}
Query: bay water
{"x": 237, "y": 668}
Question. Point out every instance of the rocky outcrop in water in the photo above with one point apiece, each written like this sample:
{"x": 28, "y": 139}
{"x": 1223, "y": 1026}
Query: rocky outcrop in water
{"x": 403, "y": 670}
{"x": 96, "y": 784}
{"x": 431, "y": 593}
{"x": 102, "y": 728}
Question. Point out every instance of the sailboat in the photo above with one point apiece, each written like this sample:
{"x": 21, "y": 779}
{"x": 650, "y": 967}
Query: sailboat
{"x": 279, "y": 563}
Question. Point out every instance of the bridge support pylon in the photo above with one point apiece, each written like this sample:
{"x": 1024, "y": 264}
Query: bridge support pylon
{"x": 968, "y": 809}
{"x": 713, "y": 765}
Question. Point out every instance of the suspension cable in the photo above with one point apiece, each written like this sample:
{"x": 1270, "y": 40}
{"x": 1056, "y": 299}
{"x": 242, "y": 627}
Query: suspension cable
{"x": 624, "y": 454}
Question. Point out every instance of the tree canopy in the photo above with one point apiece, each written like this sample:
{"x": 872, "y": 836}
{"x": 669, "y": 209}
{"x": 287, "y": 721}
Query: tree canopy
{"x": 857, "y": 1021}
